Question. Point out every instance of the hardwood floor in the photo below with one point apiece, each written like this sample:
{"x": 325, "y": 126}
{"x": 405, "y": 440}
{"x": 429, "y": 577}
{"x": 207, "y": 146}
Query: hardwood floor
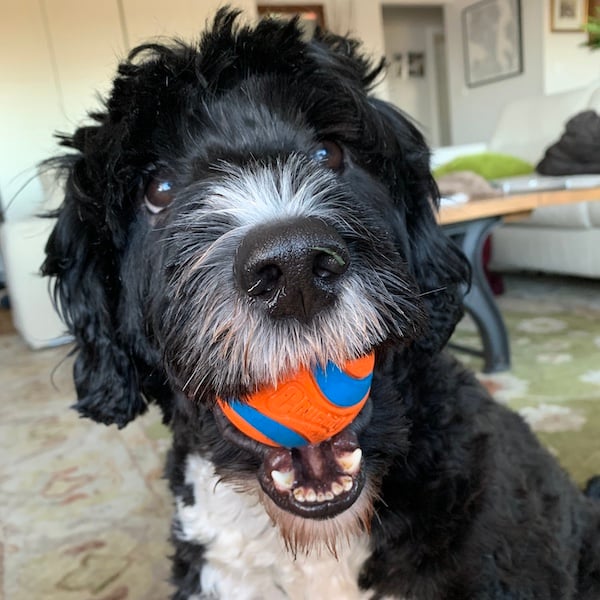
{"x": 6, "y": 324}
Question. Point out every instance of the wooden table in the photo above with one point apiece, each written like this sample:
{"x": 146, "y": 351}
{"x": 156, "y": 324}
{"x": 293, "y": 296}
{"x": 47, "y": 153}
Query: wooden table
{"x": 513, "y": 205}
{"x": 469, "y": 224}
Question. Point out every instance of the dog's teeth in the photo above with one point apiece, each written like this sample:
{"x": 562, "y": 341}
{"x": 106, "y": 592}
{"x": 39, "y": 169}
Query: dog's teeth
{"x": 311, "y": 496}
{"x": 329, "y": 496}
{"x": 350, "y": 461}
{"x": 320, "y": 497}
{"x": 336, "y": 488}
{"x": 346, "y": 482}
{"x": 299, "y": 494}
{"x": 284, "y": 480}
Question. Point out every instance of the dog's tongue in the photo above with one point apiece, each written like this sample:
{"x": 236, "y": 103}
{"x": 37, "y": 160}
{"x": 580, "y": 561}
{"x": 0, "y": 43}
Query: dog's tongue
{"x": 316, "y": 480}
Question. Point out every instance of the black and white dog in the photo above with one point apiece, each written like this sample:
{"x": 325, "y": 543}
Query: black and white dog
{"x": 193, "y": 259}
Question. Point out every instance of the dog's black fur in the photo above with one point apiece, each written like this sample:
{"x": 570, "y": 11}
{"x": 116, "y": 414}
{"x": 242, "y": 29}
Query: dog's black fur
{"x": 466, "y": 504}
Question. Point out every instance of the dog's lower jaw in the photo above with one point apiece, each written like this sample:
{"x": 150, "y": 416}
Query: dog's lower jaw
{"x": 300, "y": 535}
{"x": 314, "y": 481}
{"x": 244, "y": 545}
{"x": 315, "y": 536}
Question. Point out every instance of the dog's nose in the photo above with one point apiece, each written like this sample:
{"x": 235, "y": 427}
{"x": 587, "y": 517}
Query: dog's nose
{"x": 294, "y": 267}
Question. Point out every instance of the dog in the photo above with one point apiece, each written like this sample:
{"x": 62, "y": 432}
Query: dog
{"x": 240, "y": 209}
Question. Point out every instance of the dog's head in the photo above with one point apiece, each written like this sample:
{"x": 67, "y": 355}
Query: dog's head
{"x": 241, "y": 209}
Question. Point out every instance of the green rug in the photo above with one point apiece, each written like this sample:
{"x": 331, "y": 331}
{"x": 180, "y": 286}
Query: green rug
{"x": 554, "y": 382}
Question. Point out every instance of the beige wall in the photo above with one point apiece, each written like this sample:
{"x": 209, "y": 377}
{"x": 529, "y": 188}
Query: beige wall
{"x": 184, "y": 18}
{"x": 475, "y": 110}
{"x": 57, "y": 55}
{"x": 30, "y": 105}
{"x": 567, "y": 64}
{"x": 553, "y": 62}
{"x": 408, "y": 29}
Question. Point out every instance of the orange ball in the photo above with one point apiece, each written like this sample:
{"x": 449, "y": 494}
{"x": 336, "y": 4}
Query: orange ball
{"x": 307, "y": 408}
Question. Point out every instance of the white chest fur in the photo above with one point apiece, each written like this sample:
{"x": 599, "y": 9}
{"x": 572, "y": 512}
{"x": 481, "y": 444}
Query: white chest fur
{"x": 246, "y": 557}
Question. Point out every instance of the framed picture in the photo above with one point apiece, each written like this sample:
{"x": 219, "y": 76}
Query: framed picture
{"x": 567, "y": 15}
{"x": 398, "y": 64}
{"x": 492, "y": 41}
{"x": 311, "y": 15}
{"x": 416, "y": 64}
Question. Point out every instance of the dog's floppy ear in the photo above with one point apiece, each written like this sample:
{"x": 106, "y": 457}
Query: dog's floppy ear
{"x": 82, "y": 255}
{"x": 440, "y": 268}
{"x": 116, "y": 369}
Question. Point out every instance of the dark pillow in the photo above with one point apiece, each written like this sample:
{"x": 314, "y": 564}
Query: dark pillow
{"x": 577, "y": 152}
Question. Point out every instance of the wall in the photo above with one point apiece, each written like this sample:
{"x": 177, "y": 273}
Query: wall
{"x": 182, "y": 18}
{"x": 57, "y": 57}
{"x": 405, "y": 29}
{"x": 68, "y": 50}
{"x": 567, "y": 64}
{"x": 474, "y": 111}
{"x": 359, "y": 18}
{"x": 47, "y": 73}
{"x": 553, "y": 62}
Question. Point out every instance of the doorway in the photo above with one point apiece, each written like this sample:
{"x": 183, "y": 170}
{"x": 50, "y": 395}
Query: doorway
{"x": 415, "y": 48}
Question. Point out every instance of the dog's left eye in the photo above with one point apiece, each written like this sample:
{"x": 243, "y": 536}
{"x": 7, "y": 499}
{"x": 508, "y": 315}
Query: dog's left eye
{"x": 158, "y": 195}
{"x": 330, "y": 155}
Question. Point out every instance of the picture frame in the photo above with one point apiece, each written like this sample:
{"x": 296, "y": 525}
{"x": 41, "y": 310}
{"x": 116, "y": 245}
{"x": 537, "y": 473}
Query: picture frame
{"x": 568, "y": 15}
{"x": 492, "y": 41}
{"x": 311, "y": 15}
{"x": 397, "y": 64}
{"x": 416, "y": 64}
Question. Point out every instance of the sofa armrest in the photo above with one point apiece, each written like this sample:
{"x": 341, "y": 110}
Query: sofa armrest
{"x": 22, "y": 245}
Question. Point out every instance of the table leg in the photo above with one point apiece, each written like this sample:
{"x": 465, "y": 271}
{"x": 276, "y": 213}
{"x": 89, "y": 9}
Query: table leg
{"x": 479, "y": 300}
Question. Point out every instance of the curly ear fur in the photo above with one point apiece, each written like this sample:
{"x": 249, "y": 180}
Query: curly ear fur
{"x": 115, "y": 375}
{"x": 440, "y": 268}
{"x": 83, "y": 258}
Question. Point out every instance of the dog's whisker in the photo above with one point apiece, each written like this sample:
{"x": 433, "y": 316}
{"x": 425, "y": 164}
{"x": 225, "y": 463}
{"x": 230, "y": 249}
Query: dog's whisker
{"x": 434, "y": 291}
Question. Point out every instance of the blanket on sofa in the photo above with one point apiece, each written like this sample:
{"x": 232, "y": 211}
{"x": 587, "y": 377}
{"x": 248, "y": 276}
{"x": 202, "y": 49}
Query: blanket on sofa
{"x": 577, "y": 151}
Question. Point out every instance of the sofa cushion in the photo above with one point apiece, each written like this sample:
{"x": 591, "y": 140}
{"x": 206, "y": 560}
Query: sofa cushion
{"x": 594, "y": 213}
{"x": 594, "y": 100}
{"x": 552, "y": 250}
{"x": 490, "y": 165}
{"x": 565, "y": 216}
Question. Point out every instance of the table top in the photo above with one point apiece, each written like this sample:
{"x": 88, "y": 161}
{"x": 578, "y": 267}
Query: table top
{"x": 513, "y": 204}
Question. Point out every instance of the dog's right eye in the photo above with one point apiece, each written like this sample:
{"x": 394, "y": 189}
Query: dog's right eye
{"x": 158, "y": 195}
{"x": 330, "y": 155}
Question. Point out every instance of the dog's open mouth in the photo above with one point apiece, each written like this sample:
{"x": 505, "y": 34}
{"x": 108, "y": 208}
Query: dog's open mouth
{"x": 314, "y": 481}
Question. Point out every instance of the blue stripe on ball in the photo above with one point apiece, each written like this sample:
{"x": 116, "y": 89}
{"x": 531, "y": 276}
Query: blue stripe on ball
{"x": 340, "y": 388}
{"x": 278, "y": 433}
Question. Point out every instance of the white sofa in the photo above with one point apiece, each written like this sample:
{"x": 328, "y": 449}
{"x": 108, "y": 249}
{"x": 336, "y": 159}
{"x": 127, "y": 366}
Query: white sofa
{"x": 22, "y": 242}
{"x": 560, "y": 239}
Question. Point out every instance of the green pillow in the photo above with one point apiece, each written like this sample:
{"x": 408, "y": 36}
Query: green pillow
{"x": 490, "y": 165}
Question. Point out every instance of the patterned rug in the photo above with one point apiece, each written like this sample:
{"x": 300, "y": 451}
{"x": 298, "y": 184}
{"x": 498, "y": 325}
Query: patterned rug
{"x": 554, "y": 382}
{"x": 85, "y": 511}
